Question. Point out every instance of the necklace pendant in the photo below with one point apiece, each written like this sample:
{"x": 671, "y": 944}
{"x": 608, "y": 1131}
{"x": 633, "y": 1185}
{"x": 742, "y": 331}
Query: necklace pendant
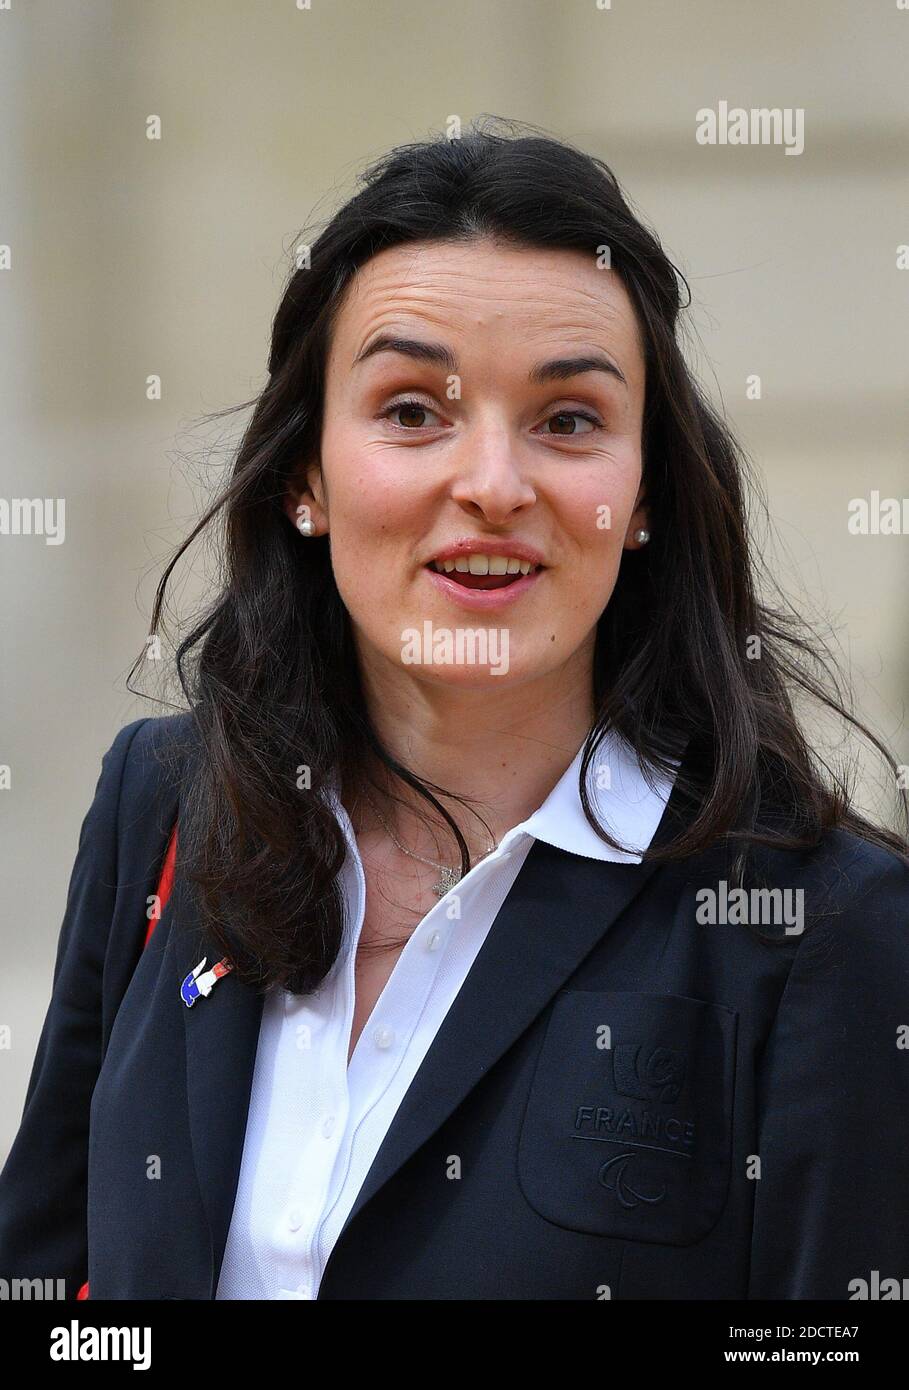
{"x": 447, "y": 880}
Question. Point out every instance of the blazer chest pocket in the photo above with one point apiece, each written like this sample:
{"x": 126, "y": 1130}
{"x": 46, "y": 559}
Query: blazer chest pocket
{"x": 628, "y": 1126}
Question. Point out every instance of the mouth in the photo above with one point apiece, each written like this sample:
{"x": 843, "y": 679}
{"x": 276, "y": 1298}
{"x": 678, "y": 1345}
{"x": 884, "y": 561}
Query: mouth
{"x": 484, "y": 572}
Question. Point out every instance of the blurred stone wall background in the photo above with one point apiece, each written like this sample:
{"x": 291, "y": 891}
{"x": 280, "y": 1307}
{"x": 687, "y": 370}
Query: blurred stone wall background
{"x": 132, "y": 257}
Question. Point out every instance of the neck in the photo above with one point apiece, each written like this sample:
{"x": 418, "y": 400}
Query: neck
{"x": 502, "y": 750}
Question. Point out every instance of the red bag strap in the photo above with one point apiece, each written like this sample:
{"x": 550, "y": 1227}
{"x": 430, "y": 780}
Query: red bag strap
{"x": 165, "y": 884}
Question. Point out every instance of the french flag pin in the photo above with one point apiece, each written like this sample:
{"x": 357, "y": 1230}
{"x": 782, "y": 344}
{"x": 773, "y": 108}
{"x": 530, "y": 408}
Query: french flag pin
{"x": 196, "y": 984}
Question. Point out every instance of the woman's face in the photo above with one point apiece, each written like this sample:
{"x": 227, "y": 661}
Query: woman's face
{"x": 483, "y": 405}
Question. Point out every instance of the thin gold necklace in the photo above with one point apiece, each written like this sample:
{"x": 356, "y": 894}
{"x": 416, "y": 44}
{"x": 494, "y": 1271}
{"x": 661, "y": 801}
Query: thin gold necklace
{"x": 448, "y": 876}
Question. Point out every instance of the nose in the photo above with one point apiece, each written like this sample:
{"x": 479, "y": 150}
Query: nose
{"x": 490, "y": 480}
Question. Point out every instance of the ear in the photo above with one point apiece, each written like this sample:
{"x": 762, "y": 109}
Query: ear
{"x": 639, "y": 520}
{"x": 306, "y": 501}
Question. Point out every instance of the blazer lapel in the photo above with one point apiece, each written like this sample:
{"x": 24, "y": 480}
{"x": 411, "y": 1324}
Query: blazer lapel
{"x": 559, "y": 907}
{"x": 221, "y": 1037}
{"x": 222, "y": 1033}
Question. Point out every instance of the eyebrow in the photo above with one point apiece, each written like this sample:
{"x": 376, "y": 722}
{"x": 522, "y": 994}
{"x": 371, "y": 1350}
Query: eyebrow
{"x": 438, "y": 355}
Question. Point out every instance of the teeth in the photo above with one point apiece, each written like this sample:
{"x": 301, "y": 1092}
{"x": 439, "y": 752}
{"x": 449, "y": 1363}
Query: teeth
{"x": 483, "y": 564}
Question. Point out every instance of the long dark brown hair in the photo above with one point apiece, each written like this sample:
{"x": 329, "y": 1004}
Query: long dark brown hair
{"x": 270, "y": 673}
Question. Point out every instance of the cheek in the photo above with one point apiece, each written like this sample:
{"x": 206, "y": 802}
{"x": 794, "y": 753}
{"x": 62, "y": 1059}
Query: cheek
{"x": 595, "y": 514}
{"x": 377, "y": 518}
{"x": 374, "y": 502}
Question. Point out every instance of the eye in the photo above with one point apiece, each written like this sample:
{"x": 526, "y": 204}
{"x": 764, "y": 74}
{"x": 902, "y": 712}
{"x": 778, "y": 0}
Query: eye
{"x": 409, "y": 408}
{"x": 566, "y": 422}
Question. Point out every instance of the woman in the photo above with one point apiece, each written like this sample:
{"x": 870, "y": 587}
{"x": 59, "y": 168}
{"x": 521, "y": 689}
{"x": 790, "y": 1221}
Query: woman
{"x": 549, "y": 962}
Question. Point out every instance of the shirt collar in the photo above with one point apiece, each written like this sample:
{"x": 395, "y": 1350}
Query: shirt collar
{"x": 623, "y": 800}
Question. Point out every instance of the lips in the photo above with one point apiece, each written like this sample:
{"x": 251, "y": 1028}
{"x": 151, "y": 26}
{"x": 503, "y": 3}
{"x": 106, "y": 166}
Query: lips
{"x": 486, "y": 564}
{"x": 482, "y": 580}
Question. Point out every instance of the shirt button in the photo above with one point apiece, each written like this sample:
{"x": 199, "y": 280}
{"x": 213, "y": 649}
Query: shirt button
{"x": 295, "y": 1220}
{"x": 434, "y": 941}
{"x": 328, "y": 1125}
{"x": 304, "y": 1290}
{"x": 384, "y": 1037}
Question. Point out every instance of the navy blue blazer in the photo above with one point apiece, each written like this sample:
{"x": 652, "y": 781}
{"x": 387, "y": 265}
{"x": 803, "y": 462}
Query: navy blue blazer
{"x": 644, "y": 1106}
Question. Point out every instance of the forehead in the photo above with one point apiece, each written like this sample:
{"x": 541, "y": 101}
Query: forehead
{"x": 486, "y": 294}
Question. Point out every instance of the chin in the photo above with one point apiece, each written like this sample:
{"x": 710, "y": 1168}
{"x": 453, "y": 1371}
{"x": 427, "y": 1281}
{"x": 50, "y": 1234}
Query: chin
{"x": 471, "y": 677}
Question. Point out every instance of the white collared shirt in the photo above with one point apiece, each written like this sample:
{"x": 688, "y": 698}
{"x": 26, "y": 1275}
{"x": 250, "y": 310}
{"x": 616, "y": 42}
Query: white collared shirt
{"x": 315, "y": 1123}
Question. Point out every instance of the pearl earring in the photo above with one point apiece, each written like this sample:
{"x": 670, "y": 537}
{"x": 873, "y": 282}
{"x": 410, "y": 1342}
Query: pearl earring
{"x": 642, "y": 536}
{"x": 304, "y": 525}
